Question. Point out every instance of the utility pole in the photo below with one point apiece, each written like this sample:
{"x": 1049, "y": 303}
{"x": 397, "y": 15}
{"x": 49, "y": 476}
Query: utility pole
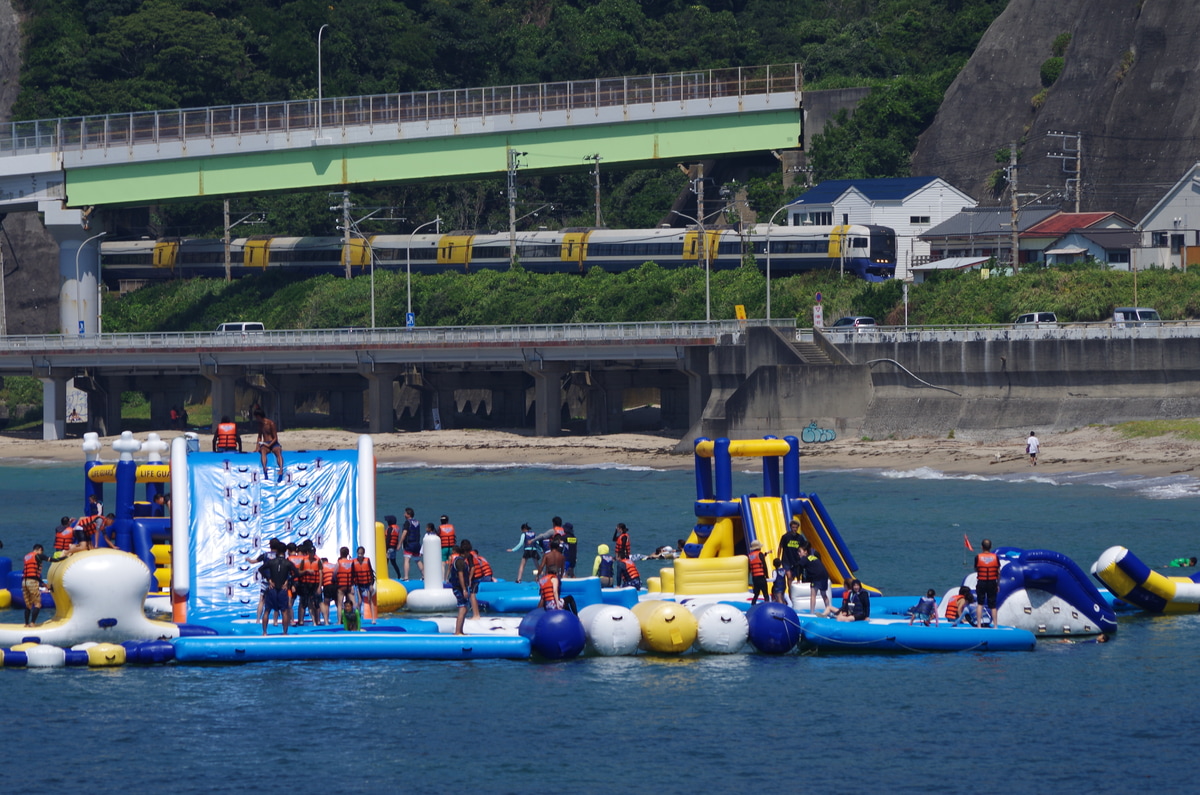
{"x": 596, "y": 175}
{"x": 513, "y": 164}
{"x": 1067, "y": 155}
{"x": 1012, "y": 190}
{"x": 346, "y": 231}
{"x": 699, "y": 187}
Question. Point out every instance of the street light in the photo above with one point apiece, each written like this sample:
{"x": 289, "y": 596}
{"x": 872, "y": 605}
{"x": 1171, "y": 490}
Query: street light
{"x": 769, "y": 223}
{"x": 78, "y": 295}
{"x": 320, "y": 94}
{"x": 408, "y": 312}
{"x": 703, "y": 253}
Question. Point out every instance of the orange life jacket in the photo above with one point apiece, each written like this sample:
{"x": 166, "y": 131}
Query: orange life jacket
{"x": 987, "y": 566}
{"x": 393, "y": 536}
{"x": 955, "y": 607}
{"x": 326, "y": 575}
{"x": 622, "y": 550}
{"x": 33, "y": 567}
{"x": 758, "y": 565}
{"x": 63, "y": 538}
{"x": 90, "y": 523}
{"x": 482, "y": 567}
{"x": 227, "y": 435}
{"x": 546, "y": 589}
{"x": 362, "y": 572}
{"x": 446, "y": 531}
{"x": 344, "y": 572}
{"x": 630, "y": 570}
{"x": 310, "y": 571}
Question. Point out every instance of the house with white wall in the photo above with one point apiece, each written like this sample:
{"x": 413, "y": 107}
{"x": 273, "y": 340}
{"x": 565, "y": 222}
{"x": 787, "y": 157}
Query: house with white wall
{"x": 1170, "y": 232}
{"x": 909, "y": 205}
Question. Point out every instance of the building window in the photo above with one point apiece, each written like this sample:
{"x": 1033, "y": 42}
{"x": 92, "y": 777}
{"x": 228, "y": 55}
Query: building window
{"x": 1117, "y": 256}
{"x": 1159, "y": 239}
{"x": 918, "y": 220}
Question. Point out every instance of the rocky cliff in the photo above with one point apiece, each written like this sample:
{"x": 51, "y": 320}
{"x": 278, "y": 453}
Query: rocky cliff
{"x": 1129, "y": 84}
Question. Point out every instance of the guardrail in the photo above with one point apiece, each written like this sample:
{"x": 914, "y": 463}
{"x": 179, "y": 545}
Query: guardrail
{"x": 1167, "y": 329}
{"x": 153, "y": 127}
{"x": 581, "y": 333}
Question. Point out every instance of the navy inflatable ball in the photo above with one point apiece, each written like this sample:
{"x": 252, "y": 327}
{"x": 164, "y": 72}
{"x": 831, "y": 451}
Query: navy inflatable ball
{"x": 774, "y": 627}
{"x": 554, "y": 634}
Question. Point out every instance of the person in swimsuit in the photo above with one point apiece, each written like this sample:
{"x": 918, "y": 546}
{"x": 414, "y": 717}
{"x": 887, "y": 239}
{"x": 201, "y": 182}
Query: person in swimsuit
{"x": 268, "y": 441}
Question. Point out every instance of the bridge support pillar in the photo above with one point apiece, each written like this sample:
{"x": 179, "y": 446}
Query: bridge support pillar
{"x": 381, "y": 413}
{"x": 78, "y": 268}
{"x": 223, "y": 383}
{"x": 508, "y": 400}
{"x": 606, "y": 402}
{"x": 676, "y": 405}
{"x": 54, "y": 405}
{"x": 694, "y": 365}
{"x": 547, "y": 399}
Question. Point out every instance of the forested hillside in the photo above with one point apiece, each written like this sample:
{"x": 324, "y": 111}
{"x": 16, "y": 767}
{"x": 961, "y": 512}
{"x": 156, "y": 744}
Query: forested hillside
{"x": 91, "y": 57}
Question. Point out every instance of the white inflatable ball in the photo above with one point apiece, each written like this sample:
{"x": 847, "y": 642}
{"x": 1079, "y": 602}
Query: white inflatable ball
{"x": 45, "y": 656}
{"x": 612, "y": 630}
{"x": 721, "y": 629}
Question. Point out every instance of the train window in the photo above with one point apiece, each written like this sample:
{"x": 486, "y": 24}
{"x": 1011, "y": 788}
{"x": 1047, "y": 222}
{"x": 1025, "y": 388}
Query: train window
{"x": 858, "y": 242}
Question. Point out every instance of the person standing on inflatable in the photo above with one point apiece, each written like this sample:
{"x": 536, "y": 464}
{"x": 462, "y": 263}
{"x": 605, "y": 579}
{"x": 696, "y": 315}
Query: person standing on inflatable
{"x": 268, "y": 441}
{"x": 410, "y": 541}
{"x": 987, "y": 585}
{"x": 462, "y": 577}
{"x": 31, "y": 583}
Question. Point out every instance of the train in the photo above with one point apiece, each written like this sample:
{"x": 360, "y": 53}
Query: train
{"x": 865, "y": 251}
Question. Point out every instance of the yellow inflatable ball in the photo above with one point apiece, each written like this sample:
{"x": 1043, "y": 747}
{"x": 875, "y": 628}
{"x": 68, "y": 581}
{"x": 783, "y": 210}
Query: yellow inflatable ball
{"x": 5, "y": 599}
{"x": 667, "y": 627}
{"x": 105, "y": 655}
{"x": 390, "y": 595}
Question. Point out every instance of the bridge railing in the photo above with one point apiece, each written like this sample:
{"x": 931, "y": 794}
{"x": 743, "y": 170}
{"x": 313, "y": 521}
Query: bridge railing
{"x": 1105, "y": 329}
{"x": 424, "y": 336}
{"x": 152, "y": 127}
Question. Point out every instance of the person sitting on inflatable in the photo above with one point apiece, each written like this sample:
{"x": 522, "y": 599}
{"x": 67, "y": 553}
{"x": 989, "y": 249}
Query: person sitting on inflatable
{"x": 856, "y": 604}
{"x": 925, "y": 609}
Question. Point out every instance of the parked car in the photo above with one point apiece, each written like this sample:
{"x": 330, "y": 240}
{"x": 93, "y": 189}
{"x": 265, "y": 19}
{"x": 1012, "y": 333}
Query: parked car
{"x": 1135, "y": 316}
{"x": 1037, "y": 320}
{"x": 853, "y": 323}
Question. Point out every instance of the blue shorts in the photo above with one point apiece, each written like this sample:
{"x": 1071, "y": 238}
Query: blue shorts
{"x": 463, "y": 599}
{"x": 277, "y": 600}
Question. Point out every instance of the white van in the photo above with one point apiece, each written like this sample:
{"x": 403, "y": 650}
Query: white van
{"x": 241, "y": 328}
{"x": 1135, "y": 316}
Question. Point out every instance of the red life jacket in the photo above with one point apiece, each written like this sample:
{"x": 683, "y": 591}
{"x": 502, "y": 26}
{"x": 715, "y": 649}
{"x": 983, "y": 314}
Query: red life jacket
{"x": 227, "y": 436}
{"x": 33, "y": 567}
{"x": 362, "y": 572}
{"x": 446, "y": 531}
{"x": 987, "y": 566}
{"x": 482, "y": 567}
{"x": 343, "y": 574}
{"x": 758, "y": 565}
{"x": 546, "y": 589}
{"x": 622, "y": 550}
{"x": 393, "y": 536}
{"x": 63, "y": 539}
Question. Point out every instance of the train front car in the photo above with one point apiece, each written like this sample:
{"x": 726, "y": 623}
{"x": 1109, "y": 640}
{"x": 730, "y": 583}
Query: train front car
{"x": 868, "y": 252}
{"x": 881, "y": 254}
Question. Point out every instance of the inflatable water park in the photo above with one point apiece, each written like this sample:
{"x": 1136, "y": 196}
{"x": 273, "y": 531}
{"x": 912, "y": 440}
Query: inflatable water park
{"x": 185, "y": 587}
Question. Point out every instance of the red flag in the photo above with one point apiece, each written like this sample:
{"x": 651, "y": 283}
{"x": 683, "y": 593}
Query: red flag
{"x": 967, "y": 543}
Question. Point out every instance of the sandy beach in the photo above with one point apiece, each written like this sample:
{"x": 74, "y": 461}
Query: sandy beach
{"x": 1092, "y": 449}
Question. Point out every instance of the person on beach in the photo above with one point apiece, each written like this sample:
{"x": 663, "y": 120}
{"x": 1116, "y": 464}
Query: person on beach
{"x": 226, "y": 438}
{"x": 816, "y": 576}
{"x": 987, "y": 585}
{"x": 410, "y": 541}
{"x": 1032, "y": 444}
{"x": 925, "y": 609}
{"x": 529, "y": 548}
{"x": 856, "y": 604}
{"x": 268, "y": 442}
{"x": 32, "y": 582}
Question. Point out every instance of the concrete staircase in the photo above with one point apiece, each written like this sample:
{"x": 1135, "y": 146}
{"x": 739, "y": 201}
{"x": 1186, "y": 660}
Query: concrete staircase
{"x": 811, "y": 353}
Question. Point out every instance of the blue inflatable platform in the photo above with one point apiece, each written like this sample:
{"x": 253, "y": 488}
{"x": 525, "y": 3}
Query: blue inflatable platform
{"x": 350, "y": 646}
{"x": 883, "y": 635}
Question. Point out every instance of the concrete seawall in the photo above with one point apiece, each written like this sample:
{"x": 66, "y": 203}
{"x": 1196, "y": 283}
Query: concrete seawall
{"x": 982, "y": 385}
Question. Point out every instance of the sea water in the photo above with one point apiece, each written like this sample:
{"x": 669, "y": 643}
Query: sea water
{"x": 1081, "y": 716}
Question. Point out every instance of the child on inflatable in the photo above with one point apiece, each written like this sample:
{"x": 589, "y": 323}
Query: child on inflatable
{"x": 925, "y": 609}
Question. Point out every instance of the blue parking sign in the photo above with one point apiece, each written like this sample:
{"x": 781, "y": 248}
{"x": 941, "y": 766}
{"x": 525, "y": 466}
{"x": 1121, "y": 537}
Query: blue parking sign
{"x": 410, "y": 319}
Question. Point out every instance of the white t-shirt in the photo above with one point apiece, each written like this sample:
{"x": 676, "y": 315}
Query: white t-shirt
{"x": 1033, "y": 444}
